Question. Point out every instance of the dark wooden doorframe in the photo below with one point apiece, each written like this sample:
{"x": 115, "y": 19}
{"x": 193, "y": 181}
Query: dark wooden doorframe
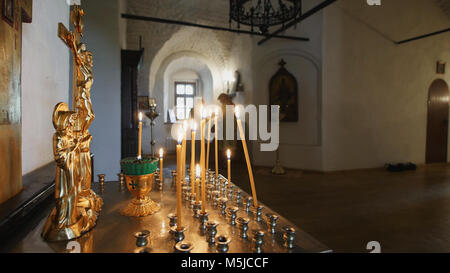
{"x": 437, "y": 122}
{"x": 129, "y": 98}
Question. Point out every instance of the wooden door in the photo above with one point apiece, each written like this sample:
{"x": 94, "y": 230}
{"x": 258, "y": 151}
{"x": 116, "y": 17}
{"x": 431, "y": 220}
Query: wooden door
{"x": 129, "y": 119}
{"x": 437, "y": 124}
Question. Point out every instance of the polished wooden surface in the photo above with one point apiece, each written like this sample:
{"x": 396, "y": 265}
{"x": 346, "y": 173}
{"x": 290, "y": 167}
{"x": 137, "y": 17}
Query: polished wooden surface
{"x": 10, "y": 97}
{"x": 114, "y": 232}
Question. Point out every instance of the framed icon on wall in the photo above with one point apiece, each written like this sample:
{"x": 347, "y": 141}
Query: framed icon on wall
{"x": 143, "y": 103}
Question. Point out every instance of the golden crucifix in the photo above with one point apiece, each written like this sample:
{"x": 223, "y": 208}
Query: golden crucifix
{"x": 77, "y": 206}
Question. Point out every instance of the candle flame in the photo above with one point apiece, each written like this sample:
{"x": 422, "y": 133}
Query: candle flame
{"x": 197, "y": 171}
{"x": 236, "y": 111}
{"x": 203, "y": 112}
{"x": 180, "y": 136}
{"x": 161, "y": 153}
{"x": 229, "y": 153}
{"x": 193, "y": 125}
{"x": 140, "y": 116}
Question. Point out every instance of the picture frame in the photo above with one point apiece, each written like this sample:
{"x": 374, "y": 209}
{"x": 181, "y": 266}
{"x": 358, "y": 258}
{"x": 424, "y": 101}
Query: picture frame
{"x": 8, "y": 11}
{"x": 283, "y": 91}
{"x": 440, "y": 67}
{"x": 143, "y": 103}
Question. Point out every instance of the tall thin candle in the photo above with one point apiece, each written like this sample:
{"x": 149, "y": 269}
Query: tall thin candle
{"x": 183, "y": 153}
{"x": 180, "y": 139}
{"x": 216, "y": 134}
{"x": 208, "y": 142}
{"x": 202, "y": 160}
{"x": 197, "y": 183}
{"x": 193, "y": 129}
{"x": 247, "y": 158}
{"x": 139, "y": 156}
{"x": 161, "y": 159}
{"x": 229, "y": 165}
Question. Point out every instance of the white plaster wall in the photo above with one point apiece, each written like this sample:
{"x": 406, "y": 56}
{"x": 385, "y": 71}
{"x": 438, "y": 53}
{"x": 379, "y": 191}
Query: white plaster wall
{"x": 375, "y": 92}
{"x": 102, "y": 37}
{"x": 300, "y": 142}
{"x": 174, "y": 68}
{"x": 45, "y": 80}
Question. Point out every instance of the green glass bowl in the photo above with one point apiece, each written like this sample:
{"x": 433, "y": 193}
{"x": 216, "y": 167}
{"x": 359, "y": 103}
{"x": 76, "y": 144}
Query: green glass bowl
{"x": 133, "y": 166}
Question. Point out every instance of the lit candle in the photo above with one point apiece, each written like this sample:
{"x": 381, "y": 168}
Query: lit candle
{"x": 229, "y": 166}
{"x": 202, "y": 159}
{"x": 209, "y": 138}
{"x": 247, "y": 158}
{"x": 197, "y": 183}
{"x": 193, "y": 129}
{"x": 183, "y": 153}
{"x": 161, "y": 159}
{"x": 180, "y": 139}
{"x": 216, "y": 132}
{"x": 140, "y": 136}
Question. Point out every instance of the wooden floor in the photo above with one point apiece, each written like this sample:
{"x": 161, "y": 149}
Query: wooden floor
{"x": 405, "y": 212}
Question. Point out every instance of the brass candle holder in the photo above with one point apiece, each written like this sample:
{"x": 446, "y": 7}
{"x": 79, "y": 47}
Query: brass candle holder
{"x": 141, "y": 205}
{"x": 139, "y": 178}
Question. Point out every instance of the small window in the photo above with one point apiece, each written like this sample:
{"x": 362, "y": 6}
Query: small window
{"x": 184, "y": 99}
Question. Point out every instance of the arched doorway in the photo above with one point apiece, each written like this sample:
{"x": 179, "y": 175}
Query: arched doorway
{"x": 437, "y": 123}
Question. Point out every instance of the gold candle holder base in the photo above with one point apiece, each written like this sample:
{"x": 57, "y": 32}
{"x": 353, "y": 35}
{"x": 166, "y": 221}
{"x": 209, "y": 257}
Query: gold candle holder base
{"x": 142, "y": 205}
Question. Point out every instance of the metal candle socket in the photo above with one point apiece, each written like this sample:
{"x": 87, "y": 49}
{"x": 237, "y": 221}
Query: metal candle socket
{"x": 187, "y": 193}
{"x": 222, "y": 243}
{"x": 243, "y": 225}
{"x": 178, "y": 234}
{"x": 289, "y": 237}
{"x": 259, "y": 210}
{"x": 197, "y": 208}
{"x": 209, "y": 191}
{"x": 141, "y": 238}
{"x": 101, "y": 179}
{"x": 223, "y": 204}
{"x": 258, "y": 240}
{"x": 211, "y": 231}
{"x": 273, "y": 222}
{"x": 238, "y": 197}
{"x": 203, "y": 220}
{"x": 232, "y": 213}
{"x": 172, "y": 219}
{"x": 248, "y": 204}
{"x": 215, "y": 195}
{"x": 230, "y": 192}
{"x": 184, "y": 247}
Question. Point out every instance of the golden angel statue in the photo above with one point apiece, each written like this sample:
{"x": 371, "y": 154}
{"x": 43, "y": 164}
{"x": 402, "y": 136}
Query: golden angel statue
{"x": 77, "y": 206}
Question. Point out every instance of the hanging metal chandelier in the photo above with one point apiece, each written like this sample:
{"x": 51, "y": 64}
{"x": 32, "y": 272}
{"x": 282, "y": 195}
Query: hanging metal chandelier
{"x": 264, "y": 13}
